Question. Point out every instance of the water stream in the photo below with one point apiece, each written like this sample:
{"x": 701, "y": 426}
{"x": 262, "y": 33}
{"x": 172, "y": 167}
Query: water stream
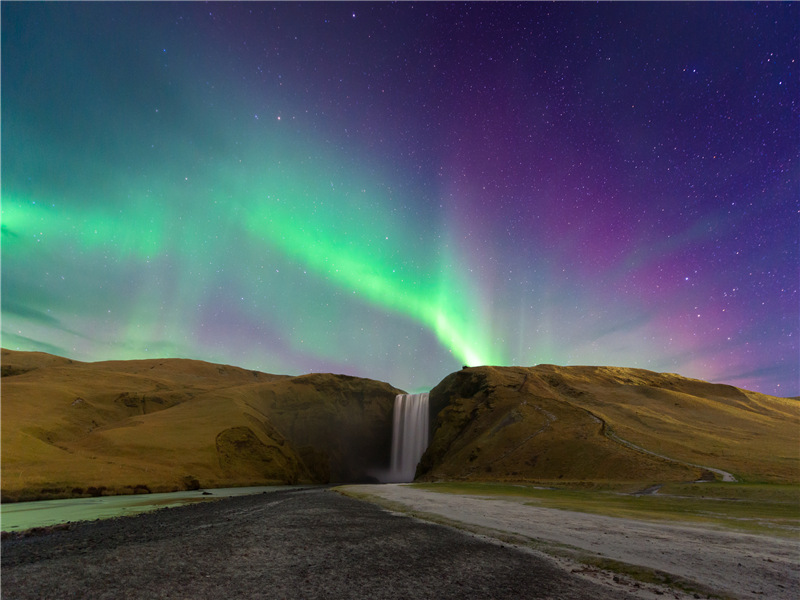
{"x": 18, "y": 516}
{"x": 409, "y": 435}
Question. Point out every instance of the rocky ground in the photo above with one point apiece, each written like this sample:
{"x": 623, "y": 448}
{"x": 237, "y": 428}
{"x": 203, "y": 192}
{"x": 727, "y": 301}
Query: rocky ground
{"x": 727, "y": 563}
{"x": 293, "y": 544}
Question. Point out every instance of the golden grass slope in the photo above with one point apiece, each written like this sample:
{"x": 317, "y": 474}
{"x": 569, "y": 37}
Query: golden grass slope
{"x": 73, "y": 428}
{"x": 548, "y": 423}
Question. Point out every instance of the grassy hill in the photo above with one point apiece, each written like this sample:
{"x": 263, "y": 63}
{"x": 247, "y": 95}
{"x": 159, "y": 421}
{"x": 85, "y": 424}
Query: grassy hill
{"x": 550, "y": 423}
{"x": 71, "y": 428}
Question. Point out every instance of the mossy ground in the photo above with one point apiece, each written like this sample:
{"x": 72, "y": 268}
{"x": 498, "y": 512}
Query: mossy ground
{"x": 770, "y": 509}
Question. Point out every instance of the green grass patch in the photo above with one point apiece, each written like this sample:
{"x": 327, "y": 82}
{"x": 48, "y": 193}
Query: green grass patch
{"x": 755, "y": 508}
{"x": 756, "y": 492}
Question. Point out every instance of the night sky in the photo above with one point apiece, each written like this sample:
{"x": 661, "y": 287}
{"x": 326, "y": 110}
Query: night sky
{"x": 396, "y": 190}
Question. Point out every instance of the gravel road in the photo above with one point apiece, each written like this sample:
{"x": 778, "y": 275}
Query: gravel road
{"x": 292, "y": 544}
{"x": 733, "y": 564}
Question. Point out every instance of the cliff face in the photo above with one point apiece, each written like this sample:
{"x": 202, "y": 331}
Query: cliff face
{"x": 72, "y": 428}
{"x": 345, "y": 421}
{"x": 604, "y": 423}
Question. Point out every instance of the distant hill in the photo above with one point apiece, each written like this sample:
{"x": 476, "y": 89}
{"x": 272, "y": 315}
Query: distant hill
{"x": 71, "y": 428}
{"x": 550, "y": 423}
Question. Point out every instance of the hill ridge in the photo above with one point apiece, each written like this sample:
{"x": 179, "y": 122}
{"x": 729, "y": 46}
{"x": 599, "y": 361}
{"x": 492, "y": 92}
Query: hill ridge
{"x": 71, "y": 428}
{"x": 76, "y": 428}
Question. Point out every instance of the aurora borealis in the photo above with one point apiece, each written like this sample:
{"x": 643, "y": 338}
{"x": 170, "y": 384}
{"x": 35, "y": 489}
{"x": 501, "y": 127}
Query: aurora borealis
{"x": 396, "y": 190}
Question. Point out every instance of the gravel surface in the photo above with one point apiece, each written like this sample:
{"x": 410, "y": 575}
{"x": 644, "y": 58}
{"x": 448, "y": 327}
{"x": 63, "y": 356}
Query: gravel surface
{"x": 733, "y": 564}
{"x": 293, "y": 544}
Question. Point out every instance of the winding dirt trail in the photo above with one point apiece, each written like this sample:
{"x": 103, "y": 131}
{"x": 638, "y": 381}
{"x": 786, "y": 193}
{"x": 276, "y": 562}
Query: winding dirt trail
{"x": 609, "y": 433}
{"x": 728, "y": 477}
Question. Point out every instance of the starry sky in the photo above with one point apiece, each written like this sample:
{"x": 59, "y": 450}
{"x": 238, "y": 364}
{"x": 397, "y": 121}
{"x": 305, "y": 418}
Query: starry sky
{"x": 396, "y": 190}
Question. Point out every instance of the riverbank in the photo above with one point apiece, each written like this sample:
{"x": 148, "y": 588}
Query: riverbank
{"x": 292, "y": 544}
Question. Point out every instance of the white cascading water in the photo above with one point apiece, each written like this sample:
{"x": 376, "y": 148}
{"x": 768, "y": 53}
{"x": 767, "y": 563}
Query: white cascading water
{"x": 409, "y": 435}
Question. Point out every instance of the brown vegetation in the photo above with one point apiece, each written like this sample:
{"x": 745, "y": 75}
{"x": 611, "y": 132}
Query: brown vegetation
{"x": 81, "y": 429}
{"x": 550, "y": 423}
{"x": 72, "y": 429}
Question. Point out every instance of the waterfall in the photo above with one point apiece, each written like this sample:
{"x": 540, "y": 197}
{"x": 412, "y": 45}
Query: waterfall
{"x": 409, "y": 435}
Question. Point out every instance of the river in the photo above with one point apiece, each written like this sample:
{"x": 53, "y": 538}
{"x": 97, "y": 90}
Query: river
{"x": 18, "y": 516}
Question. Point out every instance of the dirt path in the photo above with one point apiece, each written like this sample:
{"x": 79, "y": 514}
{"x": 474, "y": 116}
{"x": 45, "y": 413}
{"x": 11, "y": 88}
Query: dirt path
{"x": 609, "y": 433}
{"x": 735, "y": 564}
{"x": 727, "y": 477}
{"x": 311, "y": 544}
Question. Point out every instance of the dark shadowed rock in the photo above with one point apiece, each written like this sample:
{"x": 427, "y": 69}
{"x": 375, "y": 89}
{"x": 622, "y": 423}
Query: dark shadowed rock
{"x": 342, "y": 424}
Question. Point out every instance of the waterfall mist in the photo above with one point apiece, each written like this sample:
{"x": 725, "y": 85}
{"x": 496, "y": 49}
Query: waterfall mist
{"x": 409, "y": 435}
